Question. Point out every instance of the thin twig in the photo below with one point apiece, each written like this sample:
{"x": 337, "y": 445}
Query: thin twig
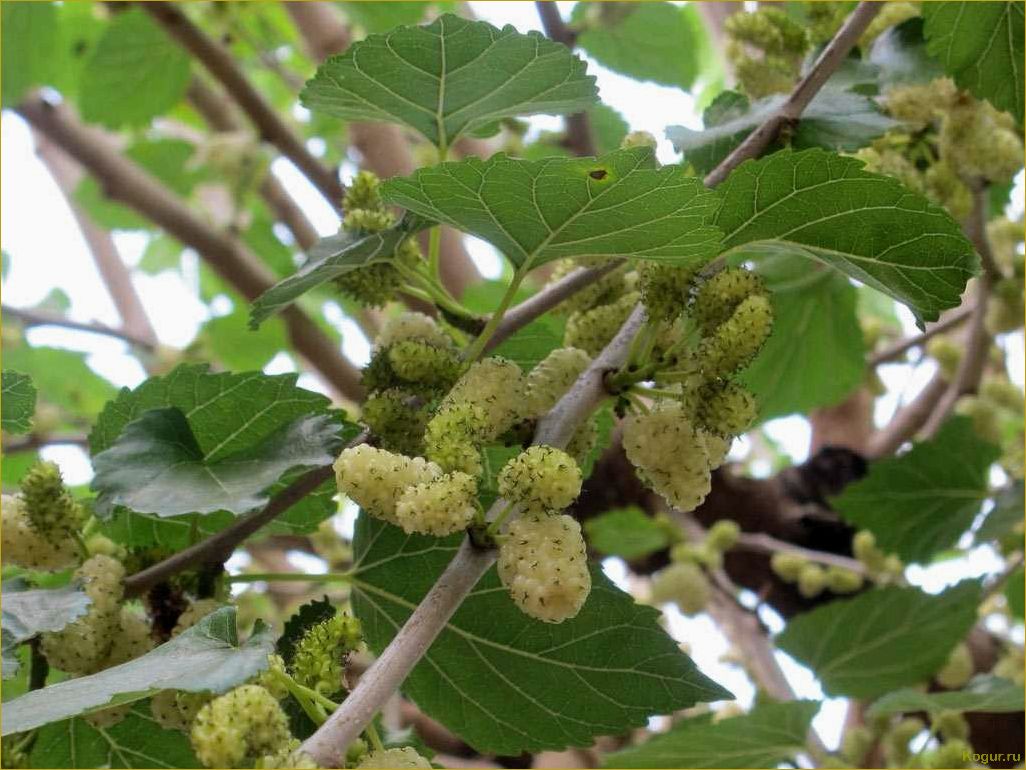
{"x": 791, "y": 110}
{"x": 762, "y": 543}
{"x": 34, "y": 441}
{"x": 907, "y": 422}
{"x": 898, "y": 349}
{"x": 125, "y": 182}
{"x": 223, "y": 68}
{"x": 541, "y": 302}
{"x": 328, "y": 743}
{"x": 580, "y": 139}
{"x": 29, "y": 317}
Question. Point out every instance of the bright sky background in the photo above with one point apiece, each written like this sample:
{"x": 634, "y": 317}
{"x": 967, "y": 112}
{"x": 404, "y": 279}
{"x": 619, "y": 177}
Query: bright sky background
{"x": 48, "y": 252}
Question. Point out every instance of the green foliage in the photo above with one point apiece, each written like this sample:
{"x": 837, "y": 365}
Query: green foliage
{"x": 30, "y": 33}
{"x": 626, "y": 532}
{"x": 18, "y": 402}
{"x": 135, "y": 73}
{"x": 450, "y": 78}
{"x": 653, "y": 41}
{"x": 882, "y": 639}
{"x": 981, "y": 44}
{"x": 836, "y": 119}
{"x": 919, "y": 503}
{"x": 206, "y": 657}
{"x": 137, "y": 741}
{"x": 495, "y": 679}
{"x": 815, "y": 336}
{"x": 768, "y": 736}
{"x": 62, "y": 377}
{"x": 30, "y": 612}
{"x": 824, "y": 207}
{"x": 983, "y": 693}
{"x": 536, "y": 212}
{"x": 157, "y": 466}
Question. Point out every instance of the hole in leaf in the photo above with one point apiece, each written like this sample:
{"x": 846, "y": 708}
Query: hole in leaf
{"x": 599, "y": 173}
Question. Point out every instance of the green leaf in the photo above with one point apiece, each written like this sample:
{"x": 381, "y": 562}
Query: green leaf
{"x": 981, "y": 45}
{"x": 332, "y": 257}
{"x": 506, "y": 683}
{"x": 626, "y": 532}
{"x": 921, "y": 502}
{"x": 17, "y": 401}
{"x": 204, "y": 658}
{"x": 381, "y": 17}
{"x": 768, "y": 736}
{"x": 156, "y": 466}
{"x": 1008, "y": 513}
{"x": 450, "y": 77}
{"x": 135, "y": 73}
{"x": 30, "y": 33}
{"x": 136, "y": 741}
{"x": 836, "y": 119}
{"x": 30, "y": 612}
{"x": 537, "y": 211}
{"x": 654, "y": 41}
{"x": 985, "y": 693}
{"x": 816, "y": 334}
{"x": 825, "y": 207}
{"x": 882, "y": 639}
{"x": 239, "y": 348}
{"x": 608, "y": 127}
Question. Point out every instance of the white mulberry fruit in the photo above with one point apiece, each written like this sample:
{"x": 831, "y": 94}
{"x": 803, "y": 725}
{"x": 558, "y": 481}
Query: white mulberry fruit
{"x": 375, "y": 478}
{"x": 541, "y": 478}
{"x": 244, "y": 723}
{"x": 552, "y": 377}
{"x": 438, "y": 507}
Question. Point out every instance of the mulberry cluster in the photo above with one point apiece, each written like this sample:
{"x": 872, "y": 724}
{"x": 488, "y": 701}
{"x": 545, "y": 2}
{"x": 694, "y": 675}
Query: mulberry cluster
{"x": 320, "y": 657}
{"x": 543, "y": 564}
{"x": 24, "y": 546}
{"x": 540, "y": 479}
{"x": 375, "y": 479}
{"x": 665, "y": 289}
{"x": 671, "y": 454}
{"x": 881, "y": 567}
{"x": 735, "y": 342}
{"x": 83, "y": 645}
{"x": 377, "y": 283}
{"x": 243, "y": 724}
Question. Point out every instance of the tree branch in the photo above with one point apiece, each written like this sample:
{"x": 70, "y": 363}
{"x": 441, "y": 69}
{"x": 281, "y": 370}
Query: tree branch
{"x": 898, "y": 349}
{"x": 791, "y": 110}
{"x": 579, "y": 137}
{"x": 112, "y": 269}
{"x": 329, "y": 742}
{"x": 762, "y": 543}
{"x": 222, "y": 67}
{"x": 35, "y": 441}
{"x": 125, "y": 182}
{"x": 28, "y": 317}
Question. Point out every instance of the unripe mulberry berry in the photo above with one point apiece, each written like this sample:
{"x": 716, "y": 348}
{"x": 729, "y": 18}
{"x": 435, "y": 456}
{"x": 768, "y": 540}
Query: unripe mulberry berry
{"x": 453, "y": 436}
{"x": 244, "y": 723}
{"x": 843, "y": 581}
{"x": 416, "y": 361}
{"x": 50, "y": 508}
{"x": 393, "y": 759}
{"x": 363, "y": 192}
{"x": 395, "y": 422}
{"x": 23, "y": 546}
{"x": 947, "y": 354}
{"x": 320, "y": 658}
{"x": 954, "y": 753}
{"x": 669, "y": 454}
{"x": 375, "y": 478}
{"x": 979, "y": 141}
{"x": 719, "y": 296}
{"x": 697, "y": 553}
{"x": 738, "y": 339}
{"x": 895, "y": 742}
{"x": 958, "y": 669}
{"x": 855, "y": 744}
{"x": 1002, "y": 393}
{"x": 723, "y": 535}
{"x": 788, "y": 566}
{"x": 194, "y": 613}
{"x": 543, "y": 564}
{"x": 541, "y": 478}
{"x": 438, "y": 507}
{"x": 951, "y": 725}
{"x": 684, "y": 584}
{"x": 497, "y": 386}
{"x": 1006, "y": 307}
{"x": 288, "y": 756}
{"x": 552, "y": 377}
{"x": 985, "y": 418}
{"x": 726, "y": 408}
{"x": 863, "y": 546}
{"x": 82, "y": 646}
{"x": 591, "y": 330}
{"x": 411, "y": 326}
{"x": 811, "y": 581}
{"x": 664, "y": 289}
{"x": 374, "y": 285}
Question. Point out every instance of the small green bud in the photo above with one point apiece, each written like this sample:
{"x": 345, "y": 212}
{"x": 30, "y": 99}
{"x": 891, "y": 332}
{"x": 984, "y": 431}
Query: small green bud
{"x": 788, "y": 566}
{"x": 723, "y": 535}
{"x": 811, "y": 581}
